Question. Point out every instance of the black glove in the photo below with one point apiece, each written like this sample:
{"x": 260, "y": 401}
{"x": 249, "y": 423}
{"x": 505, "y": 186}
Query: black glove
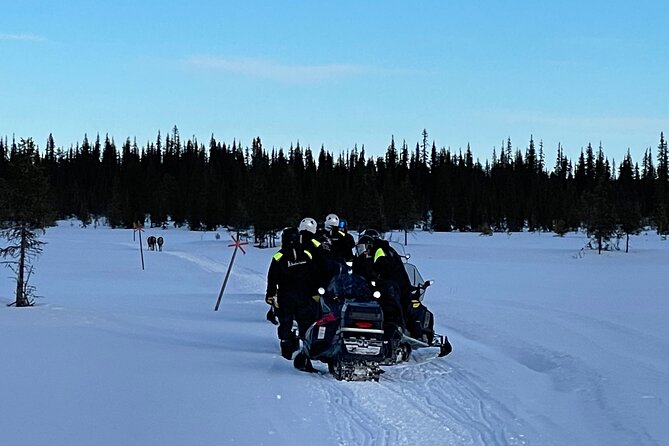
{"x": 271, "y": 316}
{"x": 271, "y": 300}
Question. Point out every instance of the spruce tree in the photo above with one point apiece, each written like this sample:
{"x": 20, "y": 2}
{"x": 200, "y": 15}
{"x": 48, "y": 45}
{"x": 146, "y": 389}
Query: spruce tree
{"x": 601, "y": 222}
{"x": 25, "y": 211}
{"x": 662, "y": 188}
{"x": 627, "y": 201}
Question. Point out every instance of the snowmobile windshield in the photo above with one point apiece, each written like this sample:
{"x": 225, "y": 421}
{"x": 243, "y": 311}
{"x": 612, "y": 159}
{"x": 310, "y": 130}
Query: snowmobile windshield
{"x": 399, "y": 249}
{"x": 414, "y": 277}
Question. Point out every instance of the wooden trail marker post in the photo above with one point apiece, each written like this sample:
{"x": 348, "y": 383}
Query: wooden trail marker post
{"x": 139, "y": 228}
{"x": 238, "y": 245}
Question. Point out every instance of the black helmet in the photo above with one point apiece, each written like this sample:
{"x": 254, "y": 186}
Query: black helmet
{"x": 372, "y": 233}
{"x": 290, "y": 237}
{"x": 364, "y": 244}
{"x": 365, "y": 240}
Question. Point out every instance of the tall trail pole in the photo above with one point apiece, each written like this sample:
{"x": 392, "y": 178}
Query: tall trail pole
{"x": 139, "y": 228}
{"x": 238, "y": 245}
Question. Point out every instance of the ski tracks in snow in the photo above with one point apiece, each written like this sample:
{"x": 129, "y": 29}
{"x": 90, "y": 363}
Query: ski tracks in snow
{"x": 205, "y": 263}
{"x": 246, "y": 278}
{"x": 456, "y": 399}
{"x": 425, "y": 401}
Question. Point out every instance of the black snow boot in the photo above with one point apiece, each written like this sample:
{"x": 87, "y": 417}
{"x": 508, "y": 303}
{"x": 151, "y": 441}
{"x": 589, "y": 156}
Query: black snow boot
{"x": 271, "y": 316}
{"x": 301, "y": 362}
{"x": 288, "y": 347}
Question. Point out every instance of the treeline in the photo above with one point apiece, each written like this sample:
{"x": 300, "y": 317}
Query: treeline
{"x": 204, "y": 186}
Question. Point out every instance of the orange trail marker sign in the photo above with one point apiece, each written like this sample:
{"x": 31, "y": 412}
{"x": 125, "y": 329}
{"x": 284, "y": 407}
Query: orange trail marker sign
{"x": 238, "y": 245}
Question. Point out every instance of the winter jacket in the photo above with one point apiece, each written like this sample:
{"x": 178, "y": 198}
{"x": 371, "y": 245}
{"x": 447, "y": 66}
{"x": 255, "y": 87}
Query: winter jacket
{"x": 328, "y": 265}
{"x": 292, "y": 272}
{"x": 387, "y": 265}
{"x": 340, "y": 244}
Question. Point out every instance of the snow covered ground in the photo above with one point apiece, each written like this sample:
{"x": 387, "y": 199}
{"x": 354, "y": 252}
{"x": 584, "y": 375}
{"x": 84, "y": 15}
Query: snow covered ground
{"x": 552, "y": 346}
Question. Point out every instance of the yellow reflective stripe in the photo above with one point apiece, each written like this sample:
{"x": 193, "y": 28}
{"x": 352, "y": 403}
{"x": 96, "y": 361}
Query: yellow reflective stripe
{"x": 278, "y": 255}
{"x": 342, "y": 233}
{"x": 316, "y": 242}
{"x": 379, "y": 253}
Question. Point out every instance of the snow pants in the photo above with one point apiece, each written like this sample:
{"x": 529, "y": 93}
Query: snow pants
{"x": 295, "y": 307}
{"x": 420, "y": 321}
{"x": 390, "y": 302}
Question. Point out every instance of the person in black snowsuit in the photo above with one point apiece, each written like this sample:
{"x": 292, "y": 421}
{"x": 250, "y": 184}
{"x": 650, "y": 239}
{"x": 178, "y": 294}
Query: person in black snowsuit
{"x": 377, "y": 262}
{"x": 292, "y": 281}
{"x": 336, "y": 239}
{"x": 327, "y": 267}
{"x": 349, "y": 244}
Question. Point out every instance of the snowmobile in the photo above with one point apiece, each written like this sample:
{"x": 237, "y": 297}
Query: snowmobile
{"x": 353, "y": 338}
{"x": 350, "y": 337}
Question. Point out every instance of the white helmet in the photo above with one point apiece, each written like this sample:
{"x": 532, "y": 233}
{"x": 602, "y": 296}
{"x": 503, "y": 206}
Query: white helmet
{"x": 331, "y": 221}
{"x": 308, "y": 224}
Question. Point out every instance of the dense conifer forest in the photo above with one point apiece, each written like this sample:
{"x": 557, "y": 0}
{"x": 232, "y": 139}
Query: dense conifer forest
{"x": 170, "y": 181}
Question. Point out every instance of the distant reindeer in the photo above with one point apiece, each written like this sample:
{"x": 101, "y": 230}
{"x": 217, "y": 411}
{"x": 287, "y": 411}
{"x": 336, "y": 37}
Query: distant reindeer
{"x": 160, "y": 243}
{"x": 151, "y": 241}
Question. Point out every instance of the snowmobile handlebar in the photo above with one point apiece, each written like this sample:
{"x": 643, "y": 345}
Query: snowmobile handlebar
{"x": 423, "y": 286}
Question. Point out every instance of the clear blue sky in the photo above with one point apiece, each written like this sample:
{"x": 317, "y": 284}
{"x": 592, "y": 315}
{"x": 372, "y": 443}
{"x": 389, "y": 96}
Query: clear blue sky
{"x": 340, "y": 73}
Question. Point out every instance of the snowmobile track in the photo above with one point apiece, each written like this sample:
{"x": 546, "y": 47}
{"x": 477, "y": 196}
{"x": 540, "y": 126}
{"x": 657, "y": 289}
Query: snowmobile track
{"x": 437, "y": 388}
{"x": 353, "y": 425}
{"x": 435, "y": 404}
